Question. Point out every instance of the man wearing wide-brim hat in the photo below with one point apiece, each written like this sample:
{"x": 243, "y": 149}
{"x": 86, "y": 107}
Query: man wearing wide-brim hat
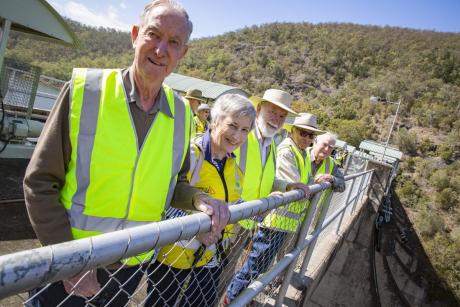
{"x": 194, "y": 98}
{"x": 256, "y": 159}
{"x": 201, "y": 118}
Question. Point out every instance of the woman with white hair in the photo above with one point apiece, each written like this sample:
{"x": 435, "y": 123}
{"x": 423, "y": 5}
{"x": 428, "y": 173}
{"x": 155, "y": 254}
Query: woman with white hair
{"x": 201, "y": 118}
{"x": 188, "y": 271}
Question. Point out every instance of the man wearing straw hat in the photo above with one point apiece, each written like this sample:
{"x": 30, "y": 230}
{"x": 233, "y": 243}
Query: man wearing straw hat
{"x": 256, "y": 159}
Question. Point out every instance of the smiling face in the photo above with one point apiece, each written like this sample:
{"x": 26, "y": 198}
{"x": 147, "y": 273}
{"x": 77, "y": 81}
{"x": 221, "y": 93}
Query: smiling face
{"x": 270, "y": 118}
{"x": 323, "y": 147}
{"x": 159, "y": 44}
{"x": 229, "y": 133}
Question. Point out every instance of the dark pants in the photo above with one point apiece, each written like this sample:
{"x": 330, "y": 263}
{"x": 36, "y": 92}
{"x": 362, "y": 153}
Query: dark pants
{"x": 195, "y": 287}
{"x": 115, "y": 294}
{"x": 265, "y": 245}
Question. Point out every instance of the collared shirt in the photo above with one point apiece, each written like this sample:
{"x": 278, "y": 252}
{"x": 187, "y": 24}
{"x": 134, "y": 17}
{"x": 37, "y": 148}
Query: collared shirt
{"x": 218, "y": 163}
{"x": 264, "y": 144}
{"x": 285, "y": 161}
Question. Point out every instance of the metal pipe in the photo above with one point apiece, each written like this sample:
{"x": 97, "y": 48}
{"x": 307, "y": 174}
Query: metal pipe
{"x": 320, "y": 221}
{"x": 300, "y": 240}
{"x": 33, "y": 268}
{"x": 391, "y": 130}
{"x": 346, "y": 203}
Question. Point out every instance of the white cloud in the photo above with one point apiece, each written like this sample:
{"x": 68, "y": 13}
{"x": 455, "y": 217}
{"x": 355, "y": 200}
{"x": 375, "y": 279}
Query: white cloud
{"x": 79, "y": 12}
{"x": 123, "y": 5}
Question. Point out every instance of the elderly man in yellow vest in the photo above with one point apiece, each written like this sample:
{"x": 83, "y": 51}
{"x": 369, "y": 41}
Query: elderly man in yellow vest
{"x": 257, "y": 160}
{"x": 114, "y": 154}
{"x": 194, "y": 98}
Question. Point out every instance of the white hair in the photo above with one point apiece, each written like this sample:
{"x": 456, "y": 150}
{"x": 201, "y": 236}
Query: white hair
{"x": 232, "y": 105}
{"x": 327, "y": 135}
{"x": 170, "y": 4}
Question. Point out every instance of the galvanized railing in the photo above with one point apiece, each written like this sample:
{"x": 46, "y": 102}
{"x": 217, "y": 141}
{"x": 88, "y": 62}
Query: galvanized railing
{"x": 20, "y": 272}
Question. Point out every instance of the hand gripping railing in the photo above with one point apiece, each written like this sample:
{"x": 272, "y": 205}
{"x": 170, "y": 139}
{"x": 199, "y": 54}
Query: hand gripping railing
{"x": 29, "y": 269}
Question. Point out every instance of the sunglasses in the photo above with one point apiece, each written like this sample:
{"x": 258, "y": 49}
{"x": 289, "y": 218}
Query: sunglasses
{"x": 304, "y": 134}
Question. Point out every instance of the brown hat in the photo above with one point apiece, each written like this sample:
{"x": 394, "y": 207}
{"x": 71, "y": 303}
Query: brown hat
{"x": 194, "y": 94}
{"x": 279, "y": 98}
{"x": 305, "y": 121}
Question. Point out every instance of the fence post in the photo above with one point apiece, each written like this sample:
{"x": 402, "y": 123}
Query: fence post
{"x": 300, "y": 239}
{"x": 319, "y": 224}
{"x": 346, "y": 204}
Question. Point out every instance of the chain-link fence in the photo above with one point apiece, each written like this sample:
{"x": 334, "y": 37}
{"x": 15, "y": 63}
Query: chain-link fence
{"x": 165, "y": 263}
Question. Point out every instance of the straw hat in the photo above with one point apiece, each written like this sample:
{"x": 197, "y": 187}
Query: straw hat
{"x": 305, "y": 121}
{"x": 279, "y": 98}
{"x": 194, "y": 94}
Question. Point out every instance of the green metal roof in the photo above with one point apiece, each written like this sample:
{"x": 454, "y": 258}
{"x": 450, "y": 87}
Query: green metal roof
{"x": 38, "y": 18}
{"x": 210, "y": 90}
{"x": 377, "y": 150}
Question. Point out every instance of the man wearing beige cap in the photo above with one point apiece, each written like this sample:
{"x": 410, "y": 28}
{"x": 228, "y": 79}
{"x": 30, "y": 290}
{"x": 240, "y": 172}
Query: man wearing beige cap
{"x": 256, "y": 159}
{"x": 194, "y": 98}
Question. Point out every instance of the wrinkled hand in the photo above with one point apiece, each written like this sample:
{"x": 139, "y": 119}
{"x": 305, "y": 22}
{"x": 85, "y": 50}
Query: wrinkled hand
{"x": 216, "y": 209}
{"x": 84, "y": 284}
{"x": 299, "y": 186}
{"x": 324, "y": 178}
{"x": 207, "y": 239}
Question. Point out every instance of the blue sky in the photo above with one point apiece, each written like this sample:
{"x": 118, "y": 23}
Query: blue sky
{"x": 213, "y": 17}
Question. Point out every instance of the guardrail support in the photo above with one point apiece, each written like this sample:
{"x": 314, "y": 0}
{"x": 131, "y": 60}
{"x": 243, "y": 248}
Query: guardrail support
{"x": 300, "y": 241}
{"x": 346, "y": 204}
{"x": 319, "y": 224}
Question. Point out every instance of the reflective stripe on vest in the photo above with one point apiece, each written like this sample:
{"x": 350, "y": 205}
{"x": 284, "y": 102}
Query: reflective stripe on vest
{"x": 109, "y": 180}
{"x": 181, "y": 255}
{"x": 289, "y": 217}
{"x": 258, "y": 181}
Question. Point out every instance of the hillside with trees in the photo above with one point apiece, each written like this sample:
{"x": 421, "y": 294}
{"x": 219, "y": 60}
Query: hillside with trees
{"x": 332, "y": 70}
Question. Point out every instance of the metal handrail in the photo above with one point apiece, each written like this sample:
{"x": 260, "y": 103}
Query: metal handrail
{"x": 33, "y": 268}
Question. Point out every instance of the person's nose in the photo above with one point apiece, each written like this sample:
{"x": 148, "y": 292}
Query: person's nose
{"x": 161, "y": 48}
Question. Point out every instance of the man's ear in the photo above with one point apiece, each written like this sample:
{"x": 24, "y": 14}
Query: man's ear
{"x": 134, "y": 34}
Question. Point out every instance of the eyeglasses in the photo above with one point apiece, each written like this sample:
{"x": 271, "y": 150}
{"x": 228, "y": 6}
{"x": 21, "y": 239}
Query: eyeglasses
{"x": 304, "y": 134}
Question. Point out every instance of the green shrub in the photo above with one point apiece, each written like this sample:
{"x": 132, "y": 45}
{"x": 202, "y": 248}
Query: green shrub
{"x": 445, "y": 152}
{"x": 447, "y": 199}
{"x": 407, "y": 141}
{"x": 408, "y": 192}
{"x": 429, "y": 223}
{"x": 440, "y": 179}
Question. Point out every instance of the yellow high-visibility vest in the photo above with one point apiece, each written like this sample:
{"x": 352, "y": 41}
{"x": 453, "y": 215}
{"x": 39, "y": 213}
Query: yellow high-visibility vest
{"x": 258, "y": 181}
{"x": 181, "y": 255}
{"x": 200, "y": 127}
{"x": 192, "y": 124}
{"x": 112, "y": 183}
{"x": 289, "y": 217}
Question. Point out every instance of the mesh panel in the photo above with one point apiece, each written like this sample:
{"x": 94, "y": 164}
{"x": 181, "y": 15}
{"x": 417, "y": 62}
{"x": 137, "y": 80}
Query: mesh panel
{"x": 19, "y": 87}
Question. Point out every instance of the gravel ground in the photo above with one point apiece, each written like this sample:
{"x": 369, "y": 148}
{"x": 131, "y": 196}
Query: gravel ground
{"x": 11, "y": 176}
